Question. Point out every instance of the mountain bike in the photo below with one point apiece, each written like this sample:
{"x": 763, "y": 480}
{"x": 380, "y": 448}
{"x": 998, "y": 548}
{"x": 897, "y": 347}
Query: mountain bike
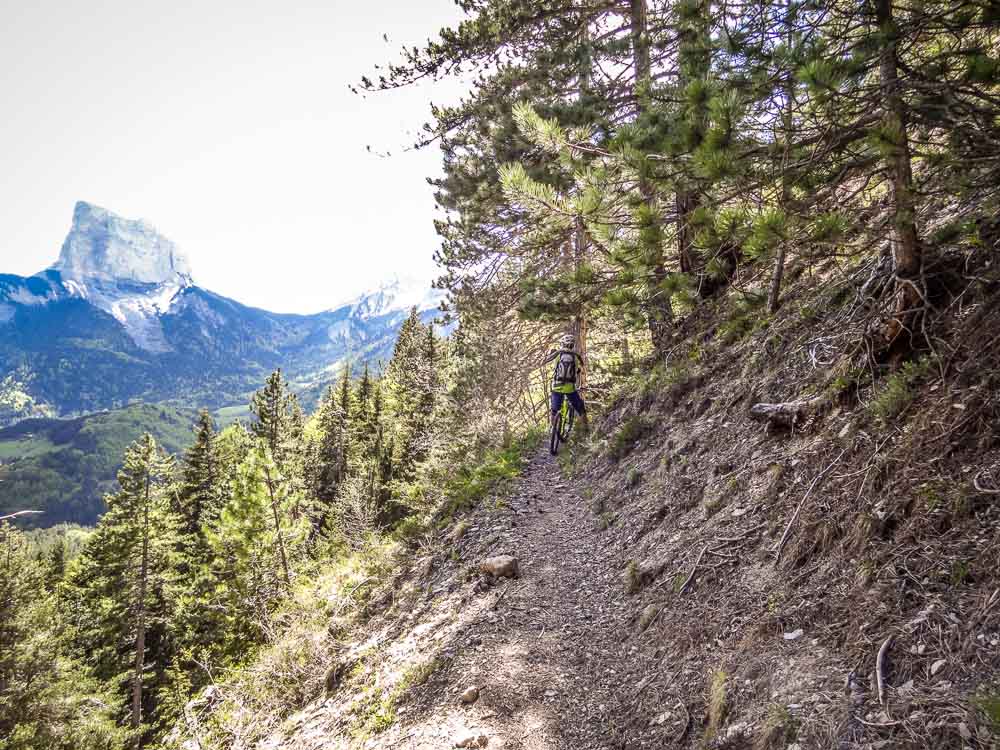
{"x": 561, "y": 425}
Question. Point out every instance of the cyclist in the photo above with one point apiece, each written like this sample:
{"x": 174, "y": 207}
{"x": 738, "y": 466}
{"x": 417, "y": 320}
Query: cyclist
{"x": 565, "y": 377}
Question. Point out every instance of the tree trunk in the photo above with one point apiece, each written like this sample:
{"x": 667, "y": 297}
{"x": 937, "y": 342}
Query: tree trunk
{"x": 906, "y": 249}
{"x": 277, "y": 525}
{"x": 140, "y": 630}
{"x": 686, "y": 203}
{"x": 660, "y": 315}
{"x": 694, "y": 62}
{"x": 774, "y": 295}
{"x": 580, "y": 323}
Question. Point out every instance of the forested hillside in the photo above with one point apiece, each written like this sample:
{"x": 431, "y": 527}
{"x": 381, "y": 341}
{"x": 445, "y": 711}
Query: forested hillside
{"x": 199, "y": 563}
{"x": 64, "y": 467}
{"x": 772, "y": 230}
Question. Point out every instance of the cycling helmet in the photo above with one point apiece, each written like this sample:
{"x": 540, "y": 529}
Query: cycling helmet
{"x": 568, "y": 341}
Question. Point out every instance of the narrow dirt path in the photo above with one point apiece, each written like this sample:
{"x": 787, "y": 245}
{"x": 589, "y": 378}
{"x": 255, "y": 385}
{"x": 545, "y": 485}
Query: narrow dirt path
{"x": 553, "y": 652}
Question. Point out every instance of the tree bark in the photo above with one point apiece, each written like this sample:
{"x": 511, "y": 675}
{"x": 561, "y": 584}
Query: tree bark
{"x": 277, "y": 524}
{"x": 906, "y": 248}
{"x": 787, "y": 413}
{"x": 580, "y": 324}
{"x": 686, "y": 202}
{"x": 774, "y": 295}
{"x": 140, "y": 631}
{"x": 693, "y": 63}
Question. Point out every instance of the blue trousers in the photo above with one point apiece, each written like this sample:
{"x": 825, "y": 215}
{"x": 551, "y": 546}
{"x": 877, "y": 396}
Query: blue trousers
{"x": 574, "y": 400}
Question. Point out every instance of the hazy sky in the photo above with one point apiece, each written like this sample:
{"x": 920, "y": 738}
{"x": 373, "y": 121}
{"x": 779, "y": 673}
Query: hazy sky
{"x": 230, "y": 127}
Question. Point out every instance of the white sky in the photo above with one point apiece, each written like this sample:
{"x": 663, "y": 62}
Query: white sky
{"x": 229, "y": 126}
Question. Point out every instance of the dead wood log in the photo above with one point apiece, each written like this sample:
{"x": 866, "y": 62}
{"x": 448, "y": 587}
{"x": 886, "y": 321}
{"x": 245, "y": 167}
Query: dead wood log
{"x": 788, "y": 413}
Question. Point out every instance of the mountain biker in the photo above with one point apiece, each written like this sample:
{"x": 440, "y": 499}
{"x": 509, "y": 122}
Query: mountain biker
{"x": 565, "y": 377}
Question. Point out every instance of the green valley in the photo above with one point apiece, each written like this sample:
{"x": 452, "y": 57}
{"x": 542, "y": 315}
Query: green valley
{"x": 64, "y": 466}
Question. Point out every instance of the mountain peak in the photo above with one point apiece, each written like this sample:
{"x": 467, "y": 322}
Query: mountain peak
{"x": 397, "y": 293}
{"x": 101, "y": 245}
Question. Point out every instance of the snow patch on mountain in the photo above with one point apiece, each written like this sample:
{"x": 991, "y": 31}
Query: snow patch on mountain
{"x": 23, "y": 296}
{"x": 397, "y": 294}
{"x": 138, "y": 310}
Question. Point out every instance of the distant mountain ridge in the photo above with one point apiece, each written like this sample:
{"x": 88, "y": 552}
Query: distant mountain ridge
{"x": 119, "y": 318}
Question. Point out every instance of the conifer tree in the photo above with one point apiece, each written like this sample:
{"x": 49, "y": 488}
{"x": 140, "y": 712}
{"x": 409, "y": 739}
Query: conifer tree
{"x": 331, "y": 455}
{"x": 122, "y": 585}
{"x": 201, "y": 487}
{"x": 278, "y": 418}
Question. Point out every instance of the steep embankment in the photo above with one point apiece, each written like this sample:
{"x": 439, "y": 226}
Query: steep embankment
{"x": 695, "y": 577}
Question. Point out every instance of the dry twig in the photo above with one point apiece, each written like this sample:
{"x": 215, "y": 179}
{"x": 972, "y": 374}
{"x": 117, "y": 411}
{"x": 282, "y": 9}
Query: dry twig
{"x": 694, "y": 570}
{"x": 975, "y": 483}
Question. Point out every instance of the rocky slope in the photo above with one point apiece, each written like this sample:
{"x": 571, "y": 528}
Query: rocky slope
{"x": 119, "y": 318}
{"x": 699, "y": 575}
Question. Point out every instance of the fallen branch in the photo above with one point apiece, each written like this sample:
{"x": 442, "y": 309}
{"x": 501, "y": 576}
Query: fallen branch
{"x": 877, "y": 725}
{"x": 883, "y": 698}
{"x": 694, "y": 570}
{"x": 802, "y": 502}
{"x": 788, "y": 413}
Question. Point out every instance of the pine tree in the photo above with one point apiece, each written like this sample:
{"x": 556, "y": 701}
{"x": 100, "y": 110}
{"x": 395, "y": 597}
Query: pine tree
{"x": 122, "y": 585}
{"x": 363, "y": 400}
{"x": 331, "y": 458}
{"x": 201, "y": 488}
{"x": 278, "y": 418}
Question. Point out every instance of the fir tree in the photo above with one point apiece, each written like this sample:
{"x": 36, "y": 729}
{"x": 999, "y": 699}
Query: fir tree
{"x": 122, "y": 585}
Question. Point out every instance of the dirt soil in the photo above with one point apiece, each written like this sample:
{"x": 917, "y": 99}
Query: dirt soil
{"x": 545, "y": 650}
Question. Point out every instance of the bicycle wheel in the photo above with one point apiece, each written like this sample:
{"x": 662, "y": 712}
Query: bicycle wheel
{"x": 554, "y": 434}
{"x": 566, "y": 425}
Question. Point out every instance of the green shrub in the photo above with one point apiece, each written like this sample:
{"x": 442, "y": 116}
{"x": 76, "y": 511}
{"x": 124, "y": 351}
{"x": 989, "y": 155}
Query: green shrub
{"x": 486, "y": 474}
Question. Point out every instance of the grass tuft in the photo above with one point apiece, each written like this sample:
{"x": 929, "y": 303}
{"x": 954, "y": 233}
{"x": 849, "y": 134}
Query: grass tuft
{"x": 717, "y": 705}
{"x": 899, "y": 391}
{"x": 779, "y": 729}
{"x": 632, "y": 579}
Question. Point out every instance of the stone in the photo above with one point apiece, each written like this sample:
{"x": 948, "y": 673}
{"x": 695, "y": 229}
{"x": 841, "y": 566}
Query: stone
{"x": 938, "y": 666}
{"x": 501, "y": 566}
{"x": 471, "y": 694}
{"x": 472, "y": 739}
{"x": 793, "y": 635}
{"x": 736, "y": 731}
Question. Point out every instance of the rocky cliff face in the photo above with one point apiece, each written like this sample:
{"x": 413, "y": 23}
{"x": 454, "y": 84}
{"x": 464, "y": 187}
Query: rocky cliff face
{"x": 104, "y": 246}
{"x": 119, "y": 318}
